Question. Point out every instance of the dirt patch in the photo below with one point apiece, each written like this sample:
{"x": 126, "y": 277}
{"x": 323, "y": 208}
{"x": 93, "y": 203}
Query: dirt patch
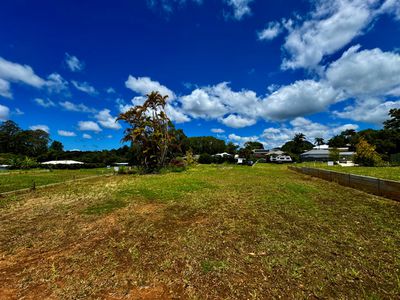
{"x": 143, "y": 293}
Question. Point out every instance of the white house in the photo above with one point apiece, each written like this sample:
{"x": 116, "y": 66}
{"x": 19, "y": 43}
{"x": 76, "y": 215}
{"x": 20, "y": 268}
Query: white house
{"x": 62, "y": 162}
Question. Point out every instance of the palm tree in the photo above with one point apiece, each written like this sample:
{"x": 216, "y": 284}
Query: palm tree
{"x": 319, "y": 141}
{"x": 299, "y": 138}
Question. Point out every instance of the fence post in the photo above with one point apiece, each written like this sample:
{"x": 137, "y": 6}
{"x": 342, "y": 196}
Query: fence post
{"x": 33, "y": 185}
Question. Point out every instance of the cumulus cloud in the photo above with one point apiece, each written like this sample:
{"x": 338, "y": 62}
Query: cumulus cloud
{"x": 84, "y": 87}
{"x": 86, "y": 136}
{"x": 215, "y": 102}
{"x": 44, "y": 103}
{"x": 89, "y": 126}
{"x": 242, "y": 139}
{"x": 299, "y": 99}
{"x": 67, "y": 105}
{"x": 106, "y": 120}
{"x": 236, "y": 121}
{"x": 370, "y": 110}
{"x": 327, "y": 29}
{"x": 176, "y": 114}
{"x": 144, "y": 86}
{"x": 200, "y": 104}
{"x": 4, "y": 112}
{"x": 270, "y": 32}
{"x": 366, "y": 73}
{"x": 5, "y": 89}
{"x": 73, "y": 63}
{"x": 240, "y": 8}
{"x": 66, "y": 133}
{"x": 40, "y": 127}
{"x": 277, "y": 136}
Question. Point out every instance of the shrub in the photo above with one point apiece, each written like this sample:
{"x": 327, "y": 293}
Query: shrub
{"x": 205, "y": 158}
{"x": 366, "y": 154}
{"x": 190, "y": 158}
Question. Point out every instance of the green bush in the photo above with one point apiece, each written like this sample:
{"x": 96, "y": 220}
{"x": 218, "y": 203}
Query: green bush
{"x": 206, "y": 158}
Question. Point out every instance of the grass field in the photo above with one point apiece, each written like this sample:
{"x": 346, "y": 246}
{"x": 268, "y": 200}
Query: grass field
{"x": 14, "y": 180}
{"x": 391, "y": 173}
{"x": 213, "y": 232}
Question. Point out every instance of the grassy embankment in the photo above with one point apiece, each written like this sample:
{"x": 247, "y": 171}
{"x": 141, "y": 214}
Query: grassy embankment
{"x": 20, "y": 179}
{"x": 213, "y": 232}
{"x": 391, "y": 173}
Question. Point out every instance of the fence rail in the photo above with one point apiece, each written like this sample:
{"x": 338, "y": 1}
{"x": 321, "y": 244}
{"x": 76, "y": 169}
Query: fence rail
{"x": 380, "y": 187}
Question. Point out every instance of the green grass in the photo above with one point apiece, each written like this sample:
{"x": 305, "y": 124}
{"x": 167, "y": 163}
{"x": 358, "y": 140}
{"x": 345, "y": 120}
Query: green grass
{"x": 391, "y": 173}
{"x": 20, "y": 179}
{"x": 212, "y": 232}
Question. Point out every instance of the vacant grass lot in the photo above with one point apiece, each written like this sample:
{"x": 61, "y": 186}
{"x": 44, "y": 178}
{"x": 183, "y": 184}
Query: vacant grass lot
{"x": 214, "y": 232}
{"x": 14, "y": 180}
{"x": 391, "y": 173}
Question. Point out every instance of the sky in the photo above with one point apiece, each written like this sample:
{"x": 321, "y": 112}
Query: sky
{"x": 239, "y": 70}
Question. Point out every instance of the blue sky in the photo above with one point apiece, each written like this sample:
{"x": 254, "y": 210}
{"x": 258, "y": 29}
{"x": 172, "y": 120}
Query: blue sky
{"x": 237, "y": 69}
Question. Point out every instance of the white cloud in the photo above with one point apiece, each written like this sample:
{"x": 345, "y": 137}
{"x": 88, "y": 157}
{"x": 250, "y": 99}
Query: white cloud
{"x": 66, "y": 133}
{"x": 55, "y": 83}
{"x": 236, "y": 121}
{"x": 299, "y": 99}
{"x": 73, "y": 63}
{"x": 214, "y": 102}
{"x": 84, "y": 87}
{"x": 176, "y": 114}
{"x": 242, "y": 139}
{"x": 86, "y": 136}
{"x": 89, "y": 126}
{"x": 200, "y": 104}
{"x": 14, "y": 72}
{"x": 67, "y": 105}
{"x": 168, "y": 6}
{"x": 40, "y": 127}
{"x": 270, "y": 32}
{"x": 173, "y": 112}
{"x": 330, "y": 27}
{"x": 370, "y": 110}
{"x": 144, "y": 86}
{"x": 366, "y": 73}
{"x": 4, "y": 112}
{"x": 106, "y": 120}
{"x": 18, "y": 112}
{"x": 44, "y": 103}
{"x": 5, "y": 89}
{"x": 276, "y": 137}
{"x": 240, "y": 8}
{"x": 217, "y": 130}
{"x": 110, "y": 90}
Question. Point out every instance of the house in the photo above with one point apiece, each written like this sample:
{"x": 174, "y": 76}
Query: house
{"x": 320, "y": 153}
{"x": 62, "y": 162}
{"x": 259, "y": 153}
{"x": 281, "y": 159}
{"x": 224, "y": 154}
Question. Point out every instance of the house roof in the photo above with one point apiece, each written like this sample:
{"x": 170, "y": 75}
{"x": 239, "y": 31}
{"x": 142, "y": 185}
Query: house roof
{"x": 324, "y": 152}
{"x": 62, "y": 162}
